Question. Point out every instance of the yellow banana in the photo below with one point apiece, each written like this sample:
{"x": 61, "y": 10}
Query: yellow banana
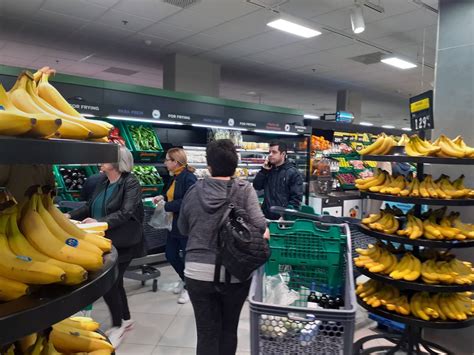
{"x": 448, "y": 148}
{"x": 374, "y": 146}
{"x": 83, "y": 323}
{"x": 380, "y": 179}
{"x": 87, "y": 333}
{"x": 15, "y": 123}
{"x": 11, "y": 289}
{"x": 67, "y": 342}
{"x": 27, "y": 342}
{"x": 416, "y": 270}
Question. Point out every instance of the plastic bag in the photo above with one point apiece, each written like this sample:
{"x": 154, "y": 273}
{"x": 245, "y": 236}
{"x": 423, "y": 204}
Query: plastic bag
{"x": 277, "y": 290}
{"x": 161, "y": 219}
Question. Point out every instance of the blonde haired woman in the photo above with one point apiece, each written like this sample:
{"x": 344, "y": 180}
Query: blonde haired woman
{"x": 182, "y": 178}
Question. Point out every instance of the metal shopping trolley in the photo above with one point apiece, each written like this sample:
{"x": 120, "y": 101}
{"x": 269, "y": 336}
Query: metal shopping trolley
{"x": 309, "y": 249}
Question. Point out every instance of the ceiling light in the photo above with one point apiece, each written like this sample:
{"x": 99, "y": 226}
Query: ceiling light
{"x": 219, "y": 127}
{"x": 87, "y": 115}
{"x": 294, "y": 26}
{"x": 399, "y": 63}
{"x": 313, "y": 117}
{"x": 148, "y": 120}
{"x": 275, "y": 132}
{"x": 366, "y": 124}
{"x": 406, "y": 128}
{"x": 357, "y": 19}
{"x": 388, "y": 126}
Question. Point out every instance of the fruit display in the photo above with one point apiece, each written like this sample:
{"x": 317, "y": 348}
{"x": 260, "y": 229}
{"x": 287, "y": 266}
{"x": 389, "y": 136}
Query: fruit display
{"x": 346, "y": 179}
{"x": 144, "y": 137}
{"x": 116, "y": 137}
{"x": 441, "y": 188}
{"x": 255, "y": 146}
{"x": 422, "y": 305}
{"x": 147, "y": 175}
{"x": 319, "y": 143}
{"x": 382, "y": 146}
{"x": 34, "y": 108}
{"x": 434, "y": 225}
{"x": 74, "y": 178}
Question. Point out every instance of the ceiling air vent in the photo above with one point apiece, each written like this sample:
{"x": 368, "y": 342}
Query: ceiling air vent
{"x": 120, "y": 71}
{"x": 184, "y": 4}
{"x": 370, "y": 58}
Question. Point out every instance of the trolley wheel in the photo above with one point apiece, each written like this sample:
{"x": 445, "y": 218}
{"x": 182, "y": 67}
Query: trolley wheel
{"x": 143, "y": 283}
{"x": 155, "y": 285}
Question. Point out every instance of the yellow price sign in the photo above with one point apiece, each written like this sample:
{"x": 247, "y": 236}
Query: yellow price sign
{"x": 420, "y": 105}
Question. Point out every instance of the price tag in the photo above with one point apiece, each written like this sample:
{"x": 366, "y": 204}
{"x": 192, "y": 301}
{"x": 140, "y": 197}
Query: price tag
{"x": 421, "y": 111}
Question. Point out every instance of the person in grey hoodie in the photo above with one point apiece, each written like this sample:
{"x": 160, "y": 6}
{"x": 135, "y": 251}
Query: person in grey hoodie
{"x": 217, "y": 309}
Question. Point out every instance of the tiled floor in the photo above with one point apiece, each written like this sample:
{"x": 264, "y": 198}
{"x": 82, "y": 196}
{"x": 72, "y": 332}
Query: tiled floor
{"x": 163, "y": 327}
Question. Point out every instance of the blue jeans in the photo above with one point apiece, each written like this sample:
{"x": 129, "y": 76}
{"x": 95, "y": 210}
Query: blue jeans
{"x": 174, "y": 245}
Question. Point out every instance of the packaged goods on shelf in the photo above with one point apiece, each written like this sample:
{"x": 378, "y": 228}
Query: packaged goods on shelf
{"x": 234, "y": 135}
{"x": 255, "y": 146}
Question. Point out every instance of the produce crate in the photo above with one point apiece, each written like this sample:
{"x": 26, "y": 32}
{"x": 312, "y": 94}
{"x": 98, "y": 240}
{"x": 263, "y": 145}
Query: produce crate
{"x": 147, "y": 174}
{"x": 310, "y": 251}
{"x": 296, "y": 329}
{"x": 62, "y": 186}
{"x": 143, "y": 155}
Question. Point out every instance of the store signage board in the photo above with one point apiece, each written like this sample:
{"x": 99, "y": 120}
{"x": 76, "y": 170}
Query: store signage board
{"x": 421, "y": 111}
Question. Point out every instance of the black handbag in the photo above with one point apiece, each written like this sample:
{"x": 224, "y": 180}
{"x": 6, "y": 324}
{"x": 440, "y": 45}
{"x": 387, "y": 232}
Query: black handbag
{"x": 241, "y": 248}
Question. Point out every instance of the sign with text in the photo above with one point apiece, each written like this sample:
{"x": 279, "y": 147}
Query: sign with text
{"x": 421, "y": 111}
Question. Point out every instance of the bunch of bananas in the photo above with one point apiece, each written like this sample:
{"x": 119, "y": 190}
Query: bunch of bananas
{"x": 447, "y": 270}
{"x": 46, "y": 249}
{"x": 441, "y": 147}
{"x": 417, "y": 147}
{"x": 382, "y": 146}
{"x": 34, "y": 108}
{"x": 74, "y": 335}
{"x": 384, "y": 221}
{"x": 376, "y": 258}
{"x": 441, "y": 188}
{"x": 413, "y": 228}
{"x": 376, "y": 294}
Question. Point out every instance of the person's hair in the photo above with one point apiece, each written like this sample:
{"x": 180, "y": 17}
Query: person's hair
{"x": 179, "y": 155}
{"x": 282, "y": 147}
{"x": 125, "y": 161}
{"x": 222, "y": 157}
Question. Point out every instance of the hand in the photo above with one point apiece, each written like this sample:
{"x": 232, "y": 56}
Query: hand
{"x": 89, "y": 220}
{"x": 266, "y": 235}
{"x": 68, "y": 216}
{"x": 157, "y": 199}
{"x": 267, "y": 165}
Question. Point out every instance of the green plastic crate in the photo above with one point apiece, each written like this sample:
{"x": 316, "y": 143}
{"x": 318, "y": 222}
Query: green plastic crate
{"x": 142, "y": 156}
{"x": 152, "y": 190}
{"x": 304, "y": 209}
{"x": 89, "y": 170}
{"x": 310, "y": 253}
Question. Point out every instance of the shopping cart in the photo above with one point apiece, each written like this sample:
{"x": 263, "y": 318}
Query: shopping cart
{"x": 297, "y": 329}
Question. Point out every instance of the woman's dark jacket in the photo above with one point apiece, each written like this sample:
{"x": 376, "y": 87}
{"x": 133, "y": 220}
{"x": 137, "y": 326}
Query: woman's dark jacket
{"x": 183, "y": 182}
{"x": 123, "y": 210}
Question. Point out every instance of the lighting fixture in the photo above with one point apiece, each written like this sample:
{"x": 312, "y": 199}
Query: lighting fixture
{"x": 218, "y": 127}
{"x": 357, "y": 19}
{"x": 313, "y": 117}
{"x": 294, "y": 26}
{"x": 406, "y": 128}
{"x": 148, "y": 120}
{"x": 275, "y": 132}
{"x": 398, "y": 63}
{"x": 366, "y": 124}
{"x": 87, "y": 115}
{"x": 388, "y": 126}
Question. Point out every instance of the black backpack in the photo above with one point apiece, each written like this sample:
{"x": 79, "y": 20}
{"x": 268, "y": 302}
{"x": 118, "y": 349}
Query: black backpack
{"x": 241, "y": 248}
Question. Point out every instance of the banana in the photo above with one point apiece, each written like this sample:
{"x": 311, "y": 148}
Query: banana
{"x": 83, "y": 323}
{"x": 41, "y": 238}
{"x": 450, "y": 190}
{"x": 469, "y": 151}
{"x": 75, "y": 274}
{"x": 408, "y": 188}
{"x": 86, "y": 333}
{"x": 430, "y": 230}
{"x": 63, "y": 236}
{"x": 387, "y": 145}
{"x": 425, "y": 147}
{"x": 15, "y": 123}
{"x": 39, "y": 345}
{"x": 50, "y": 95}
{"x": 393, "y": 228}
{"x": 11, "y": 289}
{"x": 415, "y": 305}
{"x": 423, "y": 190}
{"x": 103, "y": 243}
{"x": 49, "y": 349}
{"x": 379, "y": 180}
{"x": 458, "y": 184}
{"x": 403, "y": 267}
{"x": 416, "y": 270}
{"x": 98, "y": 226}
{"x": 448, "y": 148}
{"x": 374, "y": 146}
{"x": 27, "y": 342}
{"x": 24, "y": 269}
{"x": 410, "y": 149}
{"x": 415, "y": 192}
{"x": 67, "y": 342}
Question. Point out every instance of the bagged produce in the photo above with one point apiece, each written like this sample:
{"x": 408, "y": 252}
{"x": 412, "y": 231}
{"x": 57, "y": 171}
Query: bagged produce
{"x": 161, "y": 219}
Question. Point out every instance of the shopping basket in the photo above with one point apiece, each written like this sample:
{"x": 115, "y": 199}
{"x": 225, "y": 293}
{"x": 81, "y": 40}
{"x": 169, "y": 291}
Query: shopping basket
{"x": 296, "y": 329}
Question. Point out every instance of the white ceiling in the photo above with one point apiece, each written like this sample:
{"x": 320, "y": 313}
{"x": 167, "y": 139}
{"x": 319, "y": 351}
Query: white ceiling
{"x": 85, "y": 37}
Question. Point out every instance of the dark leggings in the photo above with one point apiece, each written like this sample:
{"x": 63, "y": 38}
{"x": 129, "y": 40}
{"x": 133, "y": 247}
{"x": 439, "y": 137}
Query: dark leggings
{"x": 217, "y": 315}
{"x": 116, "y": 298}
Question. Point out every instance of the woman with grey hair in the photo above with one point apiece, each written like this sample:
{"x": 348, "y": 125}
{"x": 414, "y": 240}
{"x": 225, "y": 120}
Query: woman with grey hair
{"x": 117, "y": 200}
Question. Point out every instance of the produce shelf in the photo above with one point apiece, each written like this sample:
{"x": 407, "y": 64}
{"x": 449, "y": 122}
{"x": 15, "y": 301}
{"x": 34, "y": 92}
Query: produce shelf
{"x": 418, "y": 200}
{"x": 55, "y": 151}
{"x": 53, "y": 303}
{"x": 413, "y": 285}
{"x": 416, "y": 321}
{"x": 426, "y": 160}
{"x": 417, "y": 242}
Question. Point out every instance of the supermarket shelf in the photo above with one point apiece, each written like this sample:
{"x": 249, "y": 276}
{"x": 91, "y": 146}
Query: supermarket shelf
{"x": 55, "y": 151}
{"x": 418, "y": 201}
{"x": 412, "y": 285}
{"x": 351, "y": 127}
{"x": 52, "y": 303}
{"x": 425, "y": 160}
{"x": 417, "y": 242}
{"x": 416, "y": 321}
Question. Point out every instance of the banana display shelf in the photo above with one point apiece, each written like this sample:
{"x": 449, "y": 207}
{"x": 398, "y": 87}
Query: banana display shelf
{"x": 411, "y": 339}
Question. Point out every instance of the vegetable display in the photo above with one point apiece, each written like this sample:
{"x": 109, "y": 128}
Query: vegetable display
{"x": 144, "y": 137}
{"x": 147, "y": 175}
{"x": 74, "y": 178}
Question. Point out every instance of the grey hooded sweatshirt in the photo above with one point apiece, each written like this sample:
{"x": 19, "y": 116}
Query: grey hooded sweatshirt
{"x": 200, "y": 214}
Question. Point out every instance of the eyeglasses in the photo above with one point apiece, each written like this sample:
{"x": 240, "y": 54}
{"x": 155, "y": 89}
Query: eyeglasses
{"x": 169, "y": 159}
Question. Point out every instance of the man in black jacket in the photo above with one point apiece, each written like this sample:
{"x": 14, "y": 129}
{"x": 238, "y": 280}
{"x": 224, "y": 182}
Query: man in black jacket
{"x": 281, "y": 181}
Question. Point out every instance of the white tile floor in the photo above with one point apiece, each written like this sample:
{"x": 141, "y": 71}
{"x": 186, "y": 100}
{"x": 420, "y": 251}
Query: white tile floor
{"x": 164, "y": 327}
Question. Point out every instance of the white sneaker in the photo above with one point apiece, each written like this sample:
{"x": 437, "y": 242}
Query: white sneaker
{"x": 116, "y": 336}
{"x": 183, "y": 297}
{"x": 128, "y": 324}
{"x": 179, "y": 288}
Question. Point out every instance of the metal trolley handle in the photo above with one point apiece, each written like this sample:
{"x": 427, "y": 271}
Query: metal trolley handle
{"x": 322, "y": 219}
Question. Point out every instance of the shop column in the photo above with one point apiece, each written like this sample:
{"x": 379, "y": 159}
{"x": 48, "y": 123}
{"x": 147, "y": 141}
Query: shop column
{"x": 192, "y": 75}
{"x": 349, "y": 101}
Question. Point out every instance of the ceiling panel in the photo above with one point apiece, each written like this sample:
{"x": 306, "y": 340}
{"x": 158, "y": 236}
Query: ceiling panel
{"x": 205, "y": 42}
{"x": 391, "y": 7}
{"x": 311, "y": 8}
{"x": 59, "y": 21}
{"x": 283, "y": 52}
{"x": 22, "y": 62}
{"x": 20, "y": 50}
{"x": 100, "y": 31}
{"x": 182, "y": 49}
{"x": 57, "y": 63}
{"x": 151, "y": 9}
{"x": 328, "y": 40}
{"x": 134, "y": 23}
{"x": 76, "y": 8}
{"x": 169, "y": 32}
{"x": 82, "y": 68}
{"x": 339, "y": 19}
{"x": 20, "y": 9}
{"x": 105, "y": 3}
{"x": 138, "y": 39}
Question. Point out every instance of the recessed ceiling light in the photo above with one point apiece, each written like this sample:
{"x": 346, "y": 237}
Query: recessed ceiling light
{"x": 366, "y": 124}
{"x": 398, "y": 63}
{"x": 406, "y": 128}
{"x": 388, "y": 126}
{"x": 294, "y": 26}
{"x": 314, "y": 117}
